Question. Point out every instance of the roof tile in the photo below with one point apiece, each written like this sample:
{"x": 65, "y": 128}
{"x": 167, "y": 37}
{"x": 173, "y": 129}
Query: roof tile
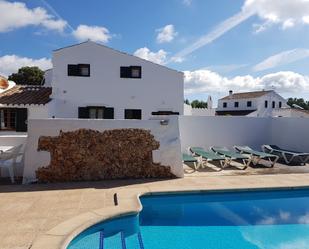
{"x": 26, "y": 95}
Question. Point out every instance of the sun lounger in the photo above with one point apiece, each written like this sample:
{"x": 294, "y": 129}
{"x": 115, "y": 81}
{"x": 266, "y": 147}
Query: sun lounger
{"x": 257, "y": 156}
{"x": 190, "y": 159}
{"x": 208, "y": 156}
{"x": 288, "y": 156}
{"x": 233, "y": 156}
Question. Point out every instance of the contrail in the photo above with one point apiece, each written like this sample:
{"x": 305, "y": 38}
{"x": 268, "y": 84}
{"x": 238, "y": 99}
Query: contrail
{"x": 55, "y": 13}
{"x": 217, "y": 32}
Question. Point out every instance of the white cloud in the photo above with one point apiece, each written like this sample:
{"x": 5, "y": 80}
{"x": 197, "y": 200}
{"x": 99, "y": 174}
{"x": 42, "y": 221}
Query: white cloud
{"x": 286, "y": 13}
{"x": 166, "y": 34}
{"x": 16, "y": 15}
{"x": 282, "y": 58}
{"x": 11, "y": 63}
{"x": 93, "y": 33}
{"x": 206, "y": 81}
{"x": 156, "y": 57}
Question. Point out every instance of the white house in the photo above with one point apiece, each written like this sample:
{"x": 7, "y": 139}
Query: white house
{"x": 89, "y": 80}
{"x": 255, "y": 104}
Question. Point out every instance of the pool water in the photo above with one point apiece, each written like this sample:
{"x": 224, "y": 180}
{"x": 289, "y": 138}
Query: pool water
{"x": 240, "y": 220}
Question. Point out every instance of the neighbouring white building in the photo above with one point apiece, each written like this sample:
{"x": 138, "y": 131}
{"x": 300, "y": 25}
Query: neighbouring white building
{"x": 254, "y": 104}
{"x": 90, "y": 80}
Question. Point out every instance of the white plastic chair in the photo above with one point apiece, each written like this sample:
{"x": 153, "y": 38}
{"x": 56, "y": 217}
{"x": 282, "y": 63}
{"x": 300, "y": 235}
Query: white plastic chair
{"x": 8, "y": 159}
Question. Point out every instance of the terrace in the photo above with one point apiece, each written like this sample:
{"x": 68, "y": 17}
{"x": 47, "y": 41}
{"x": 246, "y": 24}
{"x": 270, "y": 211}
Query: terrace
{"x": 48, "y": 215}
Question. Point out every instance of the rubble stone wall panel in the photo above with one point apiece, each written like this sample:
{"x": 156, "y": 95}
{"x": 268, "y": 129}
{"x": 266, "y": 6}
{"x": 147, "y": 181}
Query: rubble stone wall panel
{"x": 86, "y": 155}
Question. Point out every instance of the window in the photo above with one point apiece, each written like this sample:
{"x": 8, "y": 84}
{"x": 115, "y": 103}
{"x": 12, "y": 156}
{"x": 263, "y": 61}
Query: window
{"x": 274, "y": 104}
{"x": 13, "y": 119}
{"x": 280, "y": 104}
{"x": 266, "y": 104}
{"x": 249, "y": 103}
{"x": 134, "y": 72}
{"x": 96, "y": 112}
{"x": 133, "y": 114}
{"x": 224, "y": 104}
{"x": 79, "y": 70}
{"x": 236, "y": 104}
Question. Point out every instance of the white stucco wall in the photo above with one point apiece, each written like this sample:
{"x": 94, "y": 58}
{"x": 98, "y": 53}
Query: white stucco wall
{"x": 37, "y": 111}
{"x": 291, "y": 133}
{"x": 203, "y": 112}
{"x": 168, "y": 136}
{"x": 159, "y": 89}
{"x": 289, "y": 112}
{"x": 48, "y": 77}
{"x": 223, "y": 131}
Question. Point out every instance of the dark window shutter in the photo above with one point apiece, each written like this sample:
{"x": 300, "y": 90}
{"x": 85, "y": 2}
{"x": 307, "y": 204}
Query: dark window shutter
{"x": 125, "y": 72}
{"x": 108, "y": 113}
{"x": 21, "y": 119}
{"x": 83, "y": 112}
{"x": 73, "y": 70}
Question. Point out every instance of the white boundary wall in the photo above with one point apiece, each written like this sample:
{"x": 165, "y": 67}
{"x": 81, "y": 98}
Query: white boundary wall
{"x": 169, "y": 152}
{"x": 291, "y": 133}
{"x": 223, "y": 131}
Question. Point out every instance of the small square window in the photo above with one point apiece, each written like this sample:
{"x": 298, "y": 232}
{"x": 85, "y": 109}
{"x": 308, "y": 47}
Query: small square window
{"x": 224, "y": 104}
{"x": 133, "y": 114}
{"x": 79, "y": 70}
{"x": 249, "y": 103}
{"x": 134, "y": 72}
{"x": 236, "y": 104}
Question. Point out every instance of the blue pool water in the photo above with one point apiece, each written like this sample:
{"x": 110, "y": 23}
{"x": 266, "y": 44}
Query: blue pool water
{"x": 240, "y": 220}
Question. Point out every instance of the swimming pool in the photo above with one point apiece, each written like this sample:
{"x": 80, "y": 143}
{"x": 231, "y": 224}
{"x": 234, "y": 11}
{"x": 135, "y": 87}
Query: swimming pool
{"x": 240, "y": 220}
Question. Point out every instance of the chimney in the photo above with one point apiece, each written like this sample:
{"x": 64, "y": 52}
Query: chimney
{"x": 230, "y": 93}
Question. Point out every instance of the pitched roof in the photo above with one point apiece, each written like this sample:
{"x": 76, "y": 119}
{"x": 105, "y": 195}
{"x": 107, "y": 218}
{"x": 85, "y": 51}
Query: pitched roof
{"x": 26, "y": 95}
{"x": 246, "y": 95}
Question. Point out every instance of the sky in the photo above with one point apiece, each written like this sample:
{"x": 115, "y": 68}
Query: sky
{"x": 222, "y": 45}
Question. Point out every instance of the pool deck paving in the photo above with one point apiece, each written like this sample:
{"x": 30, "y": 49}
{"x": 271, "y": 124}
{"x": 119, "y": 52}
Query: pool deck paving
{"x": 49, "y": 215}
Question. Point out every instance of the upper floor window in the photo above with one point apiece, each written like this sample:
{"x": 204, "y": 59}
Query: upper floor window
{"x": 134, "y": 72}
{"x": 236, "y": 104}
{"x": 266, "y": 104}
{"x": 249, "y": 103}
{"x": 79, "y": 70}
{"x": 280, "y": 104}
{"x": 274, "y": 104}
{"x": 224, "y": 104}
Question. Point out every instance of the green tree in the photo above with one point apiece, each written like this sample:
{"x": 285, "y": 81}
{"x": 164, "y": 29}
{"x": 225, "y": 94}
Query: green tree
{"x": 300, "y": 102}
{"x": 28, "y": 76}
{"x": 198, "y": 104}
